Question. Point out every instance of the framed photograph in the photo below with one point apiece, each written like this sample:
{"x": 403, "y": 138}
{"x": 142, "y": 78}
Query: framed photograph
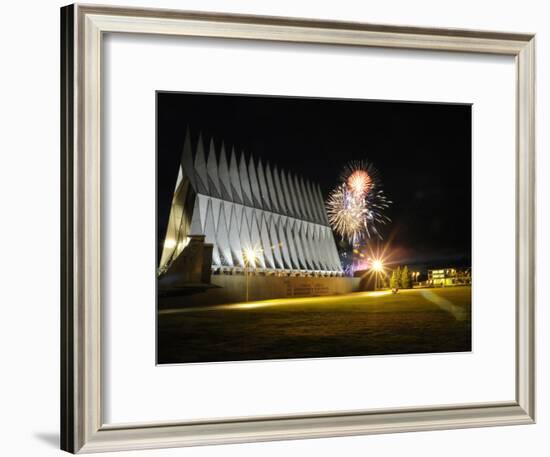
{"x": 278, "y": 228}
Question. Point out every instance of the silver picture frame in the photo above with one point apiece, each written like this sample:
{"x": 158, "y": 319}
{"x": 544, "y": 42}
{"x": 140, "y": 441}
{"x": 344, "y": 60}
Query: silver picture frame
{"x": 83, "y": 429}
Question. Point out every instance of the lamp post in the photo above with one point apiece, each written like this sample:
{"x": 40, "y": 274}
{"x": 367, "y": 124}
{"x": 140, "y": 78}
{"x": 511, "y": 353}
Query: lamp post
{"x": 250, "y": 256}
{"x": 246, "y": 273}
{"x": 377, "y": 266}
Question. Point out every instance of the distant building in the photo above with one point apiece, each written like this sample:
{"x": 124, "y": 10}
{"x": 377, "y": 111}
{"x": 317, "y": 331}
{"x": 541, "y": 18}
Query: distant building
{"x": 239, "y": 204}
{"x": 449, "y": 277}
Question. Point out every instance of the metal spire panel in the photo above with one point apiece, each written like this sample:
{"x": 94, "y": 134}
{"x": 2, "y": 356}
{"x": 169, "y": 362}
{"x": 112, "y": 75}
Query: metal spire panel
{"x": 305, "y": 201}
{"x": 235, "y": 238}
{"x": 298, "y": 196}
{"x": 223, "y": 173}
{"x": 227, "y": 206}
{"x": 295, "y": 233}
{"x": 179, "y": 179}
{"x": 256, "y": 240}
{"x": 246, "y": 242}
{"x": 283, "y": 242}
{"x": 301, "y": 231}
{"x": 200, "y": 168}
{"x": 287, "y": 195}
{"x": 263, "y": 186}
{"x": 334, "y": 251}
{"x": 212, "y": 171}
{"x": 254, "y": 185}
{"x": 328, "y": 249}
{"x": 196, "y": 224}
{"x": 279, "y": 191}
{"x": 323, "y": 249}
{"x": 285, "y": 221}
{"x": 266, "y": 242}
{"x": 222, "y": 238}
{"x": 211, "y": 234}
{"x": 216, "y": 204}
{"x": 187, "y": 160}
{"x": 313, "y": 246}
{"x": 271, "y": 188}
{"x": 203, "y": 205}
{"x": 234, "y": 178}
{"x": 319, "y": 246}
{"x": 245, "y": 181}
{"x": 275, "y": 241}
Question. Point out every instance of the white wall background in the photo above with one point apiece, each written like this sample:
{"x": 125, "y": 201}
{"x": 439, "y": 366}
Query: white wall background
{"x": 29, "y": 240}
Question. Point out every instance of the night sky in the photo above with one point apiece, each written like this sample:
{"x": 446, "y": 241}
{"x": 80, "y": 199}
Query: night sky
{"x": 422, "y": 151}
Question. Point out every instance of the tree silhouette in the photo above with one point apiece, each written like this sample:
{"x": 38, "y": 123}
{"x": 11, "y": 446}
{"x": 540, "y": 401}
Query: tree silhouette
{"x": 395, "y": 279}
{"x": 406, "y": 280}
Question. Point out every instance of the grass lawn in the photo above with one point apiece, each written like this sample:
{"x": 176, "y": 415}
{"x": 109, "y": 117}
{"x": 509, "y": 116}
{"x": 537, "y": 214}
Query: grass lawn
{"x": 364, "y": 323}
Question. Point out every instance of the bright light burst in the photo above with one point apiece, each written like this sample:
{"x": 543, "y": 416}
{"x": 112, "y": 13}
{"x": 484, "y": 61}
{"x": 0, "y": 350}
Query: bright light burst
{"x": 378, "y": 261}
{"x": 360, "y": 183}
{"x": 377, "y": 265}
{"x": 356, "y": 207}
{"x": 251, "y": 255}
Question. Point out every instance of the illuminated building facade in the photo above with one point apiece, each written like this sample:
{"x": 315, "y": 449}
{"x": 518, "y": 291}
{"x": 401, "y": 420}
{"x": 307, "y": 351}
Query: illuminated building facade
{"x": 449, "y": 277}
{"x": 241, "y": 205}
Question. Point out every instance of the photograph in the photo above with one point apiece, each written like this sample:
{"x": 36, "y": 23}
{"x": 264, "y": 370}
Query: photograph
{"x": 294, "y": 227}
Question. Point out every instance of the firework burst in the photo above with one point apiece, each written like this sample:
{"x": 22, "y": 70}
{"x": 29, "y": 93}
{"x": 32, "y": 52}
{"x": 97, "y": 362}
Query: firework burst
{"x": 361, "y": 176}
{"x": 359, "y": 183}
{"x": 356, "y": 207}
{"x": 346, "y": 214}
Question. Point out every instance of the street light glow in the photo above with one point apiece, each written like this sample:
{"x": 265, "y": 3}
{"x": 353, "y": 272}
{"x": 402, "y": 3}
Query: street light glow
{"x": 378, "y": 261}
{"x": 251, "y": 255}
